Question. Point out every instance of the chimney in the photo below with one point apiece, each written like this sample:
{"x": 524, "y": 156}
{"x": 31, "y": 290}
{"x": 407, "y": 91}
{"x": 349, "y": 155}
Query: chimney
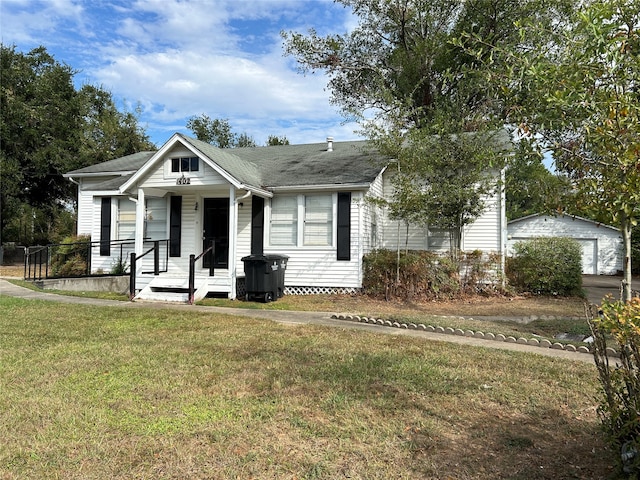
{"x": 329, "y": 144}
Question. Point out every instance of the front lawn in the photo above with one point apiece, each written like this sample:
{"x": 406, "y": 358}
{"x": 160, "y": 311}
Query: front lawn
{"x": 116, "y": 392}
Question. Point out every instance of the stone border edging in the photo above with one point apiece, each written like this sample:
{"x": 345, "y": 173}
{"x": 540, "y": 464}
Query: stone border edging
{"x": 533, "y": 342}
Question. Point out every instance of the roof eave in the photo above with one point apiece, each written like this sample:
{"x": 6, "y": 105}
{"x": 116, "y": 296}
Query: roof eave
{"x": 256, "y": 191}
{"x": 321, "y": 187}
{"x": 120, "y": 173}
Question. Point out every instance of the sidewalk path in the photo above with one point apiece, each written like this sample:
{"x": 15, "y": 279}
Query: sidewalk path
{"x": 296, "y": 318}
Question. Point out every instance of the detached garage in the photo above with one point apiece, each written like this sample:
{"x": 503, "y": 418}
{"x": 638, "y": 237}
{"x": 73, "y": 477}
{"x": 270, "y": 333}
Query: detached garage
{"x": 601, "y": 244}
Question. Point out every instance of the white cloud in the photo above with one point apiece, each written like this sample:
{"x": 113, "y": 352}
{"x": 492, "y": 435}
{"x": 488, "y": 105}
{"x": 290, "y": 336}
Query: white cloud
{"x": 31, "y": 21}
{"x": 178, "y": 58}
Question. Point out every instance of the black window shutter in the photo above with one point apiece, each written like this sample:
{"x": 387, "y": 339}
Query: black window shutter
{"x": 257, "y": 226}
{"x": 175, "y": 226}
{"x": 344, "y": 226}
{"x": 105, "y": 227}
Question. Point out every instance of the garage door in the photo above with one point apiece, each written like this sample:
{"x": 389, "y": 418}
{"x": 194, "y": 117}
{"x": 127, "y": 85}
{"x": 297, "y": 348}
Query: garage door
{"x": 589, "y": 255}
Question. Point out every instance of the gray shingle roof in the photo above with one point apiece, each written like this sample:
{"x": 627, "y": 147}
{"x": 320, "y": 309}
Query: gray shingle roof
{"x": 312, "y": 164}
{"x": 112, "y": 184}
{"x": 128, "y": 163}
{"x": 242, "y": 170}
{"x": 265, "y": 167}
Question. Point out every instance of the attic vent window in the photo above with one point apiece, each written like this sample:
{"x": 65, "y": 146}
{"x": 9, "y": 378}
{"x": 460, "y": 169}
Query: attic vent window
{"x": 185, "y": 164}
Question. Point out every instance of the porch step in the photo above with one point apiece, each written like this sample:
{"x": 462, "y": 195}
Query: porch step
{"x": 166, "y": 289}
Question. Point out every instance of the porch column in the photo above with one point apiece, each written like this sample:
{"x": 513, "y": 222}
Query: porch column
{"x": 140, "y": 217}
{"x": 233, "y": 238}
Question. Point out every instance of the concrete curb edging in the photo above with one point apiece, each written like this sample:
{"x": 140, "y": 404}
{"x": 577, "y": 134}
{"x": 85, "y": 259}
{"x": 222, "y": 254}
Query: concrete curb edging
{"x": 544, "y": 343}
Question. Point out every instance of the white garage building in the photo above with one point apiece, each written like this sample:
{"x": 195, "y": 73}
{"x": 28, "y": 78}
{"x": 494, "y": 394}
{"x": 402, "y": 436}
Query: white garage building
{"x": 601, "y": 244}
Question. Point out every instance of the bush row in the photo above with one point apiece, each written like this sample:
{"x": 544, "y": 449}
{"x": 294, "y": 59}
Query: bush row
{"x": 428, "y": 275}
{"x": 546, "y": 266}
{"x": 543, "y": 266}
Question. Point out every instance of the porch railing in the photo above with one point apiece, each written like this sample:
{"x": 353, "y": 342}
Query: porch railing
{"x": 133, "y": 263}
{"x": 192, "y": 269}
{"x": 68, "y": 260}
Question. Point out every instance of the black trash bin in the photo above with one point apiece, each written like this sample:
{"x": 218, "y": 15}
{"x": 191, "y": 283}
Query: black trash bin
{"x": 264, "y": 276}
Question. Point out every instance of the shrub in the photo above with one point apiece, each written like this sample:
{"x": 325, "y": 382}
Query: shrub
{"x": 546, "y": 266}
{"x": 619, "y": 408}
{"x": 69, "y": 259}
{"x": 426, "y": 275}
{"x": 119, "y": 266}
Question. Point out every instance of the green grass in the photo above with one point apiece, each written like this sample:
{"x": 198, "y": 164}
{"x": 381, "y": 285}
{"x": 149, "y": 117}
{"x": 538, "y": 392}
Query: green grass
{"x": 117, "y": 392}
{"x": 544, "y": 328}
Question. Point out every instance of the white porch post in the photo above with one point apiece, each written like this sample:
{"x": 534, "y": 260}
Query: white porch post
{"x": 233, "y": 236}
{"x": 140, "y": 214}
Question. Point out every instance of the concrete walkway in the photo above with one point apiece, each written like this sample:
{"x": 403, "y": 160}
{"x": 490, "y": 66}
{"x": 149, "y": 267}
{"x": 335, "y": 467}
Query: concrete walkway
{"x": 297, "y": 318}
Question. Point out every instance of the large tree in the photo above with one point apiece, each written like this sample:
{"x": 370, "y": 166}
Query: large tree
{"x": 530, "y": 187}
{"x": 47, "y": 128}
{"x": 416, "y": 93}
{"x": 579, "y": 94}
{"x": 218, "y": 132}
{"x": 108, "y": 132}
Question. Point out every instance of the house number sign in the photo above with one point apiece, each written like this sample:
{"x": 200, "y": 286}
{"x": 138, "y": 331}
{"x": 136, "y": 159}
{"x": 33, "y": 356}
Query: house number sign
{"x": 183, "y": 181}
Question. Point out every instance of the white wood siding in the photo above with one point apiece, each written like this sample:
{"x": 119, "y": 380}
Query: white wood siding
{"x": 372, "y": 217}
{"x": 605, "y": 241}
{"x": 162, "y": 176}
{"x": 244, "y": 235}
{"x": 86, "y": 213}
{"x": 484, "y": 234}
{"x": 318, "y": 267}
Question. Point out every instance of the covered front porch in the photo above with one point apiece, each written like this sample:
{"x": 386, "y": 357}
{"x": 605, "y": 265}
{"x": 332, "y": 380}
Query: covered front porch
{"x": 201, "y": 248}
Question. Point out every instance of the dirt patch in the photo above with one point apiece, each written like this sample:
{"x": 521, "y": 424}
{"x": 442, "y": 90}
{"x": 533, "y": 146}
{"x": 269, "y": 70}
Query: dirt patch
{"x": 498, "y": 306}
{"x": 12, "y": 271}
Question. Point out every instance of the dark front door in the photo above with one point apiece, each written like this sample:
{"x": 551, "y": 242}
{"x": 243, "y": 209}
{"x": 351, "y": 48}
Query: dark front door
{"x": 216, "y": 228}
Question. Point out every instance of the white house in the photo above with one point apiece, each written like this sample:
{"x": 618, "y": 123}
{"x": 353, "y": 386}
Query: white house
{"x": 308, "y": 202}
{"x": 601, "y": 244}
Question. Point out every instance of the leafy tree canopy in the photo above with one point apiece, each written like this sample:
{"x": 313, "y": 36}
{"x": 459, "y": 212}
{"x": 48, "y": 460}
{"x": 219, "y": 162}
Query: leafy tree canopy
{"x": 49, "y": 128}
{"x": 531, "y": 188}
{"x": 578, "y": 94}
{"x": 415, "y": 91}
{"x": 218, "y": 132}
{"x": 274, "y": 140}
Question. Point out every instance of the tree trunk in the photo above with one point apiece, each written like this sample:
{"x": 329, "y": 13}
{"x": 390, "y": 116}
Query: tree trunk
{"x": 625, "y": 228}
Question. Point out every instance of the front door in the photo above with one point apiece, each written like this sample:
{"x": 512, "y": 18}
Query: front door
{"x": 216, "y": 228}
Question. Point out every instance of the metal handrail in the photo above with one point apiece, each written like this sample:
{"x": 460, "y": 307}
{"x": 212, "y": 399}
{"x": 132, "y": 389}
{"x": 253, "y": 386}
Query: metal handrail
{"x": 39, "y": 260}
{"x": 134, "y": 260}
{"x": 192, "y": 269}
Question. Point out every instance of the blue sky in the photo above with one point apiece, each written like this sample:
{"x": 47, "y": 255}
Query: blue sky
{"x": 180, "y": 58}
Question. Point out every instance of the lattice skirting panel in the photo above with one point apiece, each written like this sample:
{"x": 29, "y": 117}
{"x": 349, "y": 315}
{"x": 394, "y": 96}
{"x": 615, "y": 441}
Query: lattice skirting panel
{"x": 319, "y": 290}
{"x": 241, "y": 290}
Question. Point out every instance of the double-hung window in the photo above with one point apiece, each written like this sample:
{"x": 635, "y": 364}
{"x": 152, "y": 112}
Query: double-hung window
{"x": 126, "y": 219}
{"x": 318, "y": 220}
{"x": 155, "y": 227}
{"x": 302, "y": 220}
{"x": 284, "y": 221}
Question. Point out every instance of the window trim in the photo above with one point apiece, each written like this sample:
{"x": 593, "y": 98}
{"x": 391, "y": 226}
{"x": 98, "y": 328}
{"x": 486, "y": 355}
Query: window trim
{"x": 175, "y": 158}
{"x": 305, "y": 220}
{"x": 300, "y": 220}
{"x": 177, "y": 165}
{"x": 106, "y": 222}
